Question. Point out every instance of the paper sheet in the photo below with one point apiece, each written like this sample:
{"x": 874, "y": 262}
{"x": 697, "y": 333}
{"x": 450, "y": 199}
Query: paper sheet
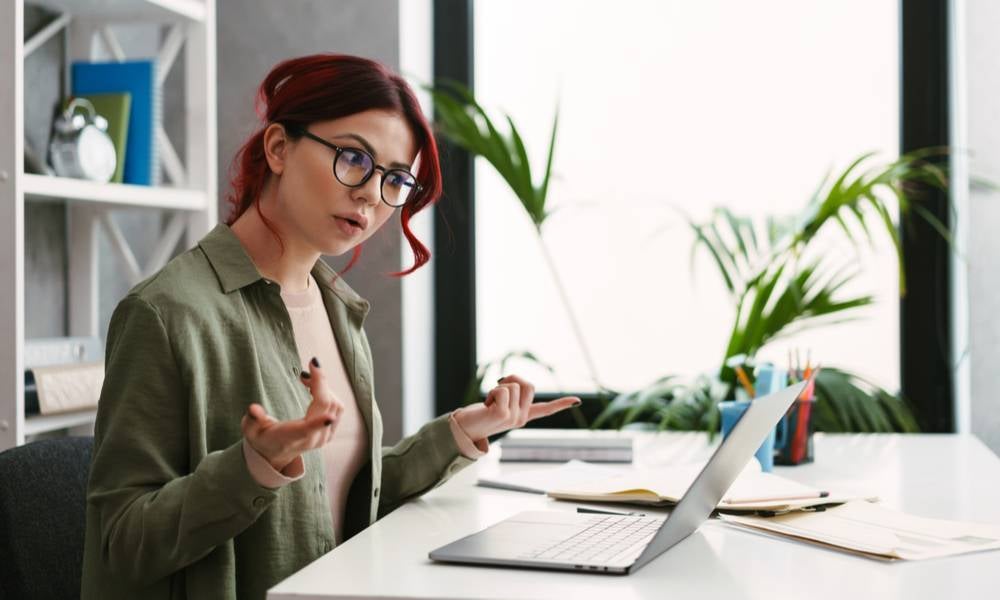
{"x": 878, "y": 531}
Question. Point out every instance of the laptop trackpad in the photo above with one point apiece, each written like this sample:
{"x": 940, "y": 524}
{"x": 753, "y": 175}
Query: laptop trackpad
{"x": 518, "y": 535}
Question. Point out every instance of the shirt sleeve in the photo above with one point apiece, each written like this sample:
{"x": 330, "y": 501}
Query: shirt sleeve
{"x": 266, "y": 475}
{"x": 466, "y": 445}
{"x": 419, "y": 463}
{"x": 154, "y": 511}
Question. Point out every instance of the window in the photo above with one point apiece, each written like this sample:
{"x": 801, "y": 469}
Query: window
{"x": 669, "y": 104}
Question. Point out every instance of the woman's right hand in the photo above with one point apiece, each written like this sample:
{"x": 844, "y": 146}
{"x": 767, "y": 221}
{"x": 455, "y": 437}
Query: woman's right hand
{"x": 283, "y": 442}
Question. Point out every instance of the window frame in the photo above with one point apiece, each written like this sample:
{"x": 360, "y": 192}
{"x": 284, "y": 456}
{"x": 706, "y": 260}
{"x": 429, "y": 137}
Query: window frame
{"x": 927, "y": 379}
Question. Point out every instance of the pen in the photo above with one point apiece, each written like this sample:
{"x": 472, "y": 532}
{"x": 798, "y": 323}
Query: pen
{"x": 745, "y": 381}
{"x": 581, "y": 509}
{"x": 776, "y": 498}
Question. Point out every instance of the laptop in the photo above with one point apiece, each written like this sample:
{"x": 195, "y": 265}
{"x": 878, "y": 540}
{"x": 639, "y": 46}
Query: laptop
{"x": 621, "y": 543}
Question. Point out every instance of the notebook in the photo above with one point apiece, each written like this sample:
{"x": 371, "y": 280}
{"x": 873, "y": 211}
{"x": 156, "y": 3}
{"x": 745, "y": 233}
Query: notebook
{"x": 752, "y": 491}
{"x": 562, "y": 449}
{"x": 138, "y": 79}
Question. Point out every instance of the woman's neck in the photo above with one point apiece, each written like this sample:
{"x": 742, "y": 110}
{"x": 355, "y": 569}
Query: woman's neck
{"x": 289, "y": 268}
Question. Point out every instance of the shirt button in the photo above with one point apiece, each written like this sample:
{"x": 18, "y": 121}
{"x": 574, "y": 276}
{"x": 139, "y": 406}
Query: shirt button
{"x": 258, "y": 502}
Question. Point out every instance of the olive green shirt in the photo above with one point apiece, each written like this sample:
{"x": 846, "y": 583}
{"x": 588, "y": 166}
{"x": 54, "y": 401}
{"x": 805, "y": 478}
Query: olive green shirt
{"x": 172, "y": 509}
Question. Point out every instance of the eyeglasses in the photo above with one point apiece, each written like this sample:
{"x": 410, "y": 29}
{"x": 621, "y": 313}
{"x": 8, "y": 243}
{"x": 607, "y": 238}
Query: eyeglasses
{"x": 353, "y": 167}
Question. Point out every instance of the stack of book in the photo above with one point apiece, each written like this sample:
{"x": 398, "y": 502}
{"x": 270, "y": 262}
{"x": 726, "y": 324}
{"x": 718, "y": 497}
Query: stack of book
{"x": 130, "y": 98}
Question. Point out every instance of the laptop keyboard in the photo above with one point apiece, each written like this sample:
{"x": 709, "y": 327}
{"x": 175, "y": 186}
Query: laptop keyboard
{"x": 605, "y": 539}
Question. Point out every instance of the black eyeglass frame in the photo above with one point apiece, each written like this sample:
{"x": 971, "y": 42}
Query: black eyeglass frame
{"x": 376, "y": 167}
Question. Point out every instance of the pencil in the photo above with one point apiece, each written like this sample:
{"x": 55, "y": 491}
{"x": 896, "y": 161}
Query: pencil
{"x": 745, "y": 381}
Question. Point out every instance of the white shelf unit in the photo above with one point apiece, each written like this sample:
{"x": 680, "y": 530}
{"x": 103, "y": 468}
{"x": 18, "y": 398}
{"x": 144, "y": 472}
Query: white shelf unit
{"x": 190, "y": 198}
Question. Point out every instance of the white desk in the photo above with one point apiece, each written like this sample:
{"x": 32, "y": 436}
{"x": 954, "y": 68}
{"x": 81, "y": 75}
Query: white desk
{"x": 944, "y": 476}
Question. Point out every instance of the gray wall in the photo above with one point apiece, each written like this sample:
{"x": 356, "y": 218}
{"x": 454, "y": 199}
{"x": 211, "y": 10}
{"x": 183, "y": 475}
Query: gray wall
{"x": 45, "y": 222}
{"x": 982, "y": 52}
{"x": 254, "y": 35}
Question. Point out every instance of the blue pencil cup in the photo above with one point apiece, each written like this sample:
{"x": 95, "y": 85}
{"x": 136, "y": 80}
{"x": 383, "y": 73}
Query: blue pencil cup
{"x": 731, "y": 411}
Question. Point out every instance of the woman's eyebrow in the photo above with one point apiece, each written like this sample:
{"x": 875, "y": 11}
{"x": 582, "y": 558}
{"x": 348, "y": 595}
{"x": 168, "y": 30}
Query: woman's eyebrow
{"x": 370, "y": 149}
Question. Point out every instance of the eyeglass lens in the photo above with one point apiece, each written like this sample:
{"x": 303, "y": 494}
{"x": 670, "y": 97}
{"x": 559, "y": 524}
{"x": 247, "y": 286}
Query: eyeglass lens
{"x": 353, "y": 167}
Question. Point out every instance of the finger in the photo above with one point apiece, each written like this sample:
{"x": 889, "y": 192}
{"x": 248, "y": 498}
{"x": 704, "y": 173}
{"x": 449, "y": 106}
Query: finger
{"x": 248, "y": 426}
{"x": 515, "y": 402}
{"x": 544, "y": 409}
{"x": 322, "y": 421}
{"x": 257, "y": 413}
{"x": 501, "y": 401}
{"x": 300, "y": 433}
{"x": 317, "y": 383}
{"x": 527, "y": 393}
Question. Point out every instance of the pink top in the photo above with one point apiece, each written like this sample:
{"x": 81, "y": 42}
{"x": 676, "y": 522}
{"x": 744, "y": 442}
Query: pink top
{"x": 347, "y": 452}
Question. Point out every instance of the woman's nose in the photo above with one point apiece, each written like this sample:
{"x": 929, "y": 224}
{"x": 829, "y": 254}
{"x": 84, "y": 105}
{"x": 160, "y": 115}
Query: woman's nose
{"x": 371, "y": 192}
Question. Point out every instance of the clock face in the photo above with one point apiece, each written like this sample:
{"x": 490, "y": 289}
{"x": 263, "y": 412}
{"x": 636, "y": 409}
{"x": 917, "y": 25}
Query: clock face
{"x": 96, "y": 154}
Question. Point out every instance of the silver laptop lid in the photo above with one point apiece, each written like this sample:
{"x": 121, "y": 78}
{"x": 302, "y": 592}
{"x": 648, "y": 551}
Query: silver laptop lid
{"x": 721, "y": 471}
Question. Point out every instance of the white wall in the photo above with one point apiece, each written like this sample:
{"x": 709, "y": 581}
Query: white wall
{"x": 416, "y": 63}
{"x": 979, "y": 48}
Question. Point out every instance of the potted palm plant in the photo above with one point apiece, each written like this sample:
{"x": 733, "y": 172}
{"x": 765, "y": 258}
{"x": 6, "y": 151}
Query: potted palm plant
{"x": 777, "y": 288}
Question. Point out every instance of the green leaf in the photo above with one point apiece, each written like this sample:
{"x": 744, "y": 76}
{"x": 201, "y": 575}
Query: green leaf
{"x": 466, "y": 123}
{"x": 543, "y": 190}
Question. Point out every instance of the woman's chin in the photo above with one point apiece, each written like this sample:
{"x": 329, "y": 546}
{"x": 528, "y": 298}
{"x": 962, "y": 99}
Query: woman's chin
{"x": 336, "y": 250}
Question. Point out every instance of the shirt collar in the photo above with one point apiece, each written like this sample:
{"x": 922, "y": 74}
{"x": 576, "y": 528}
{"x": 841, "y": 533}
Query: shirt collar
{"x": 231, "y": 263}
{"x": 235, "y": 269}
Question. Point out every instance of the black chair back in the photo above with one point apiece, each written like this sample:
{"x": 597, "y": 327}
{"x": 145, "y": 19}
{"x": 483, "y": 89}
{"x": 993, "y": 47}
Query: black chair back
{"x": 43, "y": 496}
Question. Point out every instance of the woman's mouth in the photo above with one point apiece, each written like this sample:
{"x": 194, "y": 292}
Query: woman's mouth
{"x": 348, "y": 226}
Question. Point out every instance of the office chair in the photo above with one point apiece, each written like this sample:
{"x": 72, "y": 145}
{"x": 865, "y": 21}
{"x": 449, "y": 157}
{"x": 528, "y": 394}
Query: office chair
{"x": 43, "y": 488}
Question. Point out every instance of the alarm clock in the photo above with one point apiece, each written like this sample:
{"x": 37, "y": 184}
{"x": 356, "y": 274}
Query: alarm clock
{"x": 81, "y": 146}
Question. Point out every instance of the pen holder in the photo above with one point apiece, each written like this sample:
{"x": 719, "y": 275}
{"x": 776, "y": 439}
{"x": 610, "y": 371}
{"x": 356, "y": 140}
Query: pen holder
{"x": 731, "y": 411}
{"x": 795, "y": 440}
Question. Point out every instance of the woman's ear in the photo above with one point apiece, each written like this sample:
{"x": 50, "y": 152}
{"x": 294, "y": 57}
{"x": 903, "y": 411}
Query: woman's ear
{"x": 275, "y": 147}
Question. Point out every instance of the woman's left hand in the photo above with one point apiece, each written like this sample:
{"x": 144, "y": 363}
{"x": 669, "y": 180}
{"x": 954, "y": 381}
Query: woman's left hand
{"x": 508, "y": 406}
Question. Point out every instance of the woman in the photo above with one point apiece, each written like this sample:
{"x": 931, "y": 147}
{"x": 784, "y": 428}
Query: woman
{"x": 237, "y": 435}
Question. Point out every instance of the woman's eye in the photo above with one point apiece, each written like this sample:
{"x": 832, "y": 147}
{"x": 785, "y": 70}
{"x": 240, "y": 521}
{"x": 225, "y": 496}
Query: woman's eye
{"x": 355, "y": 158}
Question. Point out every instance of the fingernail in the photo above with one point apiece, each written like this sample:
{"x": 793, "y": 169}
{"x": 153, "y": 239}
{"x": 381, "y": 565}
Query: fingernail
{"x": 250, "y": 414}
{"x": 305, "y": 375}
{"x": 578, "y": 403}
{"x": 328, "y": 422}
{"x": 315, "y": 362}
{"x": 500, "y": 380}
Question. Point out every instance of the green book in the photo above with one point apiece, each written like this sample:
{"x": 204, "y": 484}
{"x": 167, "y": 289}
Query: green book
{"x": 115, "y": 108}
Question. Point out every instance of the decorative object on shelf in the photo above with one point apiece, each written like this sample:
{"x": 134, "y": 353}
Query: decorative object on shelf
{"x": 81, "y": 146}
{"x": 67, "y": 388}
{"x": 114, "y": 107}
{"x": 138, "y": 78}
{"x": 62, "y": 374}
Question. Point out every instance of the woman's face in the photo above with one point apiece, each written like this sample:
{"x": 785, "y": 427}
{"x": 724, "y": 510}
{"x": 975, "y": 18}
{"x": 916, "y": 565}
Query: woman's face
{"x": 314, "y": 206}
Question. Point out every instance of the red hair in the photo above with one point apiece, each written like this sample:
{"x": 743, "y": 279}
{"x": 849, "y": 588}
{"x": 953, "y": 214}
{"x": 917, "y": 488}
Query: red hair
{"x": 320, "y": 87}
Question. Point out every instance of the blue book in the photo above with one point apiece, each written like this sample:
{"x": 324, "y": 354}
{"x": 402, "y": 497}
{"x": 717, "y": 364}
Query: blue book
{"x": 138, "y": 78}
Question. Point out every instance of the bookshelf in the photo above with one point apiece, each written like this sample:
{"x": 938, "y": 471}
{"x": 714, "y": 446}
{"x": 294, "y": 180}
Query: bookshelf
{"x": 187, "y": 196}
